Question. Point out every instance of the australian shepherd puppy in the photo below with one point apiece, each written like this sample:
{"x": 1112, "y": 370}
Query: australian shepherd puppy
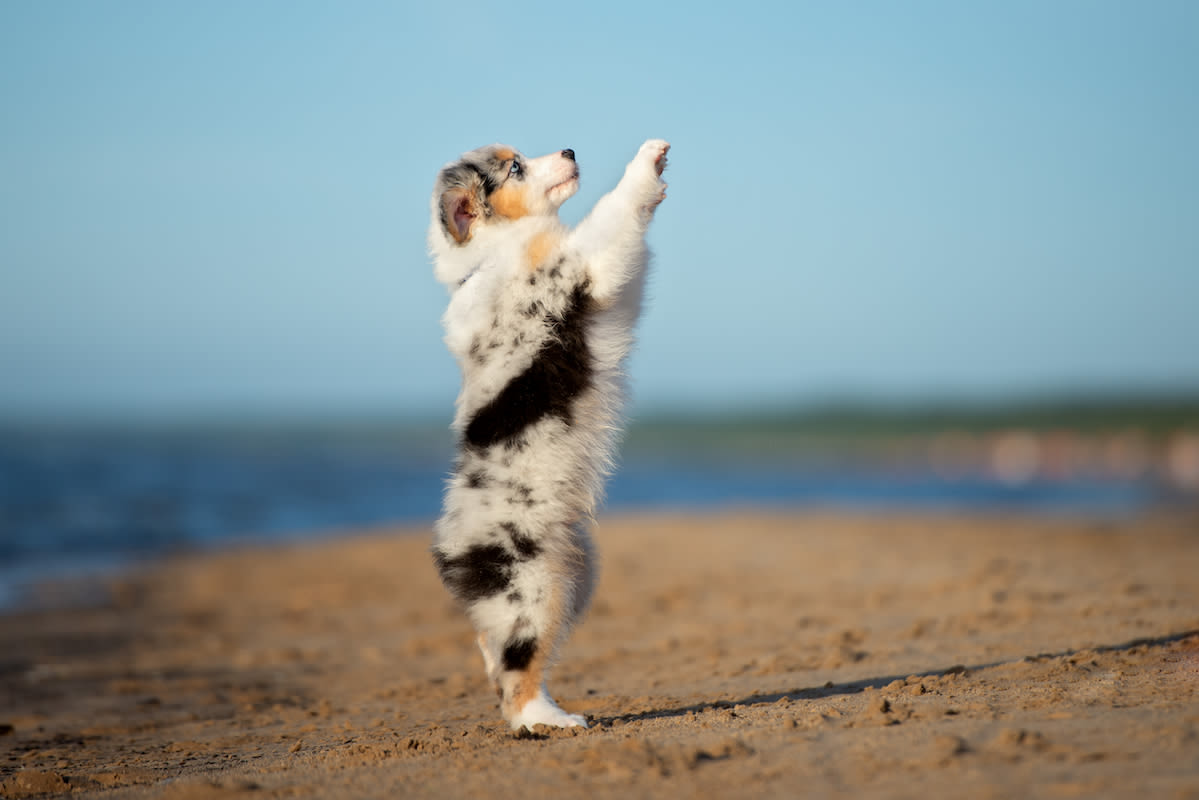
{"x": 540, "y": 320}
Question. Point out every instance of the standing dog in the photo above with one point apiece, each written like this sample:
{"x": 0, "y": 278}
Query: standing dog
{"x": 540, "y": 321}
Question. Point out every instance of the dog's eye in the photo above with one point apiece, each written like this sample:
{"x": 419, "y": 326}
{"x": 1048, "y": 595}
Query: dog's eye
{"x": 516, "y": 169}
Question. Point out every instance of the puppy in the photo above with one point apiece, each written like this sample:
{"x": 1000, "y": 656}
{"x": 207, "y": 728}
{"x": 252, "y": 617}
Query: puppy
{"x": 540, "y": 321}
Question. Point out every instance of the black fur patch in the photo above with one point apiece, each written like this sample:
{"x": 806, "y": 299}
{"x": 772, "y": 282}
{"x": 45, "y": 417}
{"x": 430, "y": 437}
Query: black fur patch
{"x": 518, "y": 653}
{"x": 477, "y": 479}
{"x": 526, "y": 547}
{"x": 482, "y": 571}
{"x": 560, "y": 371}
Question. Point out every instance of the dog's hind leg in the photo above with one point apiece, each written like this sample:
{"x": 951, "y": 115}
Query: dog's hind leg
{"x": 526, "y": 656}
{"x": 538, "y": 616}
{"x": 521, "y": 602}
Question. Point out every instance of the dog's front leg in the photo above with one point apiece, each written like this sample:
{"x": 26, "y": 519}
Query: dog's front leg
{"x": 611, "y": 239}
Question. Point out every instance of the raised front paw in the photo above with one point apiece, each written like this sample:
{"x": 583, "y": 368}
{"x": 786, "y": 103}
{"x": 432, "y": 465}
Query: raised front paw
{"x": 645, "y": 172}
{"x": 654, "y": 151}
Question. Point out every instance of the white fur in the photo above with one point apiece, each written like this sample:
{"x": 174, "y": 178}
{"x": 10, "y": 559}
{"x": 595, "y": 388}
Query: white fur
{"x": 542, "y": 710}
{"x": 546, "y": 489}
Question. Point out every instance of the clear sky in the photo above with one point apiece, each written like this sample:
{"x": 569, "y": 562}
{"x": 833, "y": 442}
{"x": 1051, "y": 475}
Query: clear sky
{"x": 220, "y": 208}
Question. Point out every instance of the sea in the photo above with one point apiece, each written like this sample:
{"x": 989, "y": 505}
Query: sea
{"x": 89, "y": 501}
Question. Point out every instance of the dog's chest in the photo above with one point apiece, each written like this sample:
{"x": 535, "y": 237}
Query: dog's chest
{"x": 496, "y": 323}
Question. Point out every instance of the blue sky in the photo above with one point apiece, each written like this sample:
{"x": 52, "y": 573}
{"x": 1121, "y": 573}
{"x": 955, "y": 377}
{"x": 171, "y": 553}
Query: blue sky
{"x": 219, "y": 208}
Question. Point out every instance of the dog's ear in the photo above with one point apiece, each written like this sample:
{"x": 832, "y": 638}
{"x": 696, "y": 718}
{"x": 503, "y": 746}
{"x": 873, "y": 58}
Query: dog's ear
{"x": 459, "y": 210}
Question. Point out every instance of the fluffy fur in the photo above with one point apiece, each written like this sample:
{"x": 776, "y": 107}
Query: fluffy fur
{"x": 540, "y": 321}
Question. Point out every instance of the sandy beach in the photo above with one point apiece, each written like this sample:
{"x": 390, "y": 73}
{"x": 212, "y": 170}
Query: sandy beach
{"x": 732, "y": 655}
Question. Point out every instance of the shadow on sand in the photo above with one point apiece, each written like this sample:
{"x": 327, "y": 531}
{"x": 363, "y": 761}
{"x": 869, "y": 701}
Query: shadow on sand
{"x": 855, "y": 687}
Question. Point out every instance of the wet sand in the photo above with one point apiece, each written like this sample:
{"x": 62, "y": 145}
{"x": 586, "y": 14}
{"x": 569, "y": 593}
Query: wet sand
{"x": 731, "y": 655}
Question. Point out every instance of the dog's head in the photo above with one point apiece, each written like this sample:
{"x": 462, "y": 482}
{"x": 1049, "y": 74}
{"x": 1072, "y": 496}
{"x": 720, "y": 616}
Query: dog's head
{"x": 495, "y": 184}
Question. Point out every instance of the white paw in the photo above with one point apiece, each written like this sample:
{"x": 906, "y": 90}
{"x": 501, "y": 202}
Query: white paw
{"x": 645, "y": 173}
{"x": 541, "y": 710}
{"x": 650, "y": 161}
{"x": 654, "y": 152}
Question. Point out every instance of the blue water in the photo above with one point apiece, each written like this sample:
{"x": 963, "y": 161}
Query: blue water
{"x": 77, "y": 501}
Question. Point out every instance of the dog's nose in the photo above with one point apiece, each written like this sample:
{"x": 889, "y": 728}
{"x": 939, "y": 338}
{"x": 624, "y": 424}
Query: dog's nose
{"x": 568, "y": 154}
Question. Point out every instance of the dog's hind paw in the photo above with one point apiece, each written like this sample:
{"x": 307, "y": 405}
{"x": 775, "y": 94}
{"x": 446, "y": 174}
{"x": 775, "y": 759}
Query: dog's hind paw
{"x": 541, "y": 710}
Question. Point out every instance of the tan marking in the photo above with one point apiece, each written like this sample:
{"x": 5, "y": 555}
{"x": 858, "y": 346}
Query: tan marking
{"x": 505, "y": 155}
{"x": 519, "y": 687}
{"x": 539, "y": 248}
{"x": 509, "y": 201}
{"x": 528, "y": 686}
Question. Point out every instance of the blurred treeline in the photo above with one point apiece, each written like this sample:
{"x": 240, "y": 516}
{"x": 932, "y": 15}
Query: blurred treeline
{"x": 1105, "y": 438}
{"x": 1153, "y": 416}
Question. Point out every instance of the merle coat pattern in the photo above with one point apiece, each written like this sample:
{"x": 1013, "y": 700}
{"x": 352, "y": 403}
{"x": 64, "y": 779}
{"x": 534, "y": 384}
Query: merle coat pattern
{"x": 540, "y": 321}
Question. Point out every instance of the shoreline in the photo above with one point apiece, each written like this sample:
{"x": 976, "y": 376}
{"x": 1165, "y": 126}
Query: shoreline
{"x": 740, "y": 652}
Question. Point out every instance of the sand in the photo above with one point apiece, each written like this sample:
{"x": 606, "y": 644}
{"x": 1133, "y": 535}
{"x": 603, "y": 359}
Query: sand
{"x": 732, "y": 655}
